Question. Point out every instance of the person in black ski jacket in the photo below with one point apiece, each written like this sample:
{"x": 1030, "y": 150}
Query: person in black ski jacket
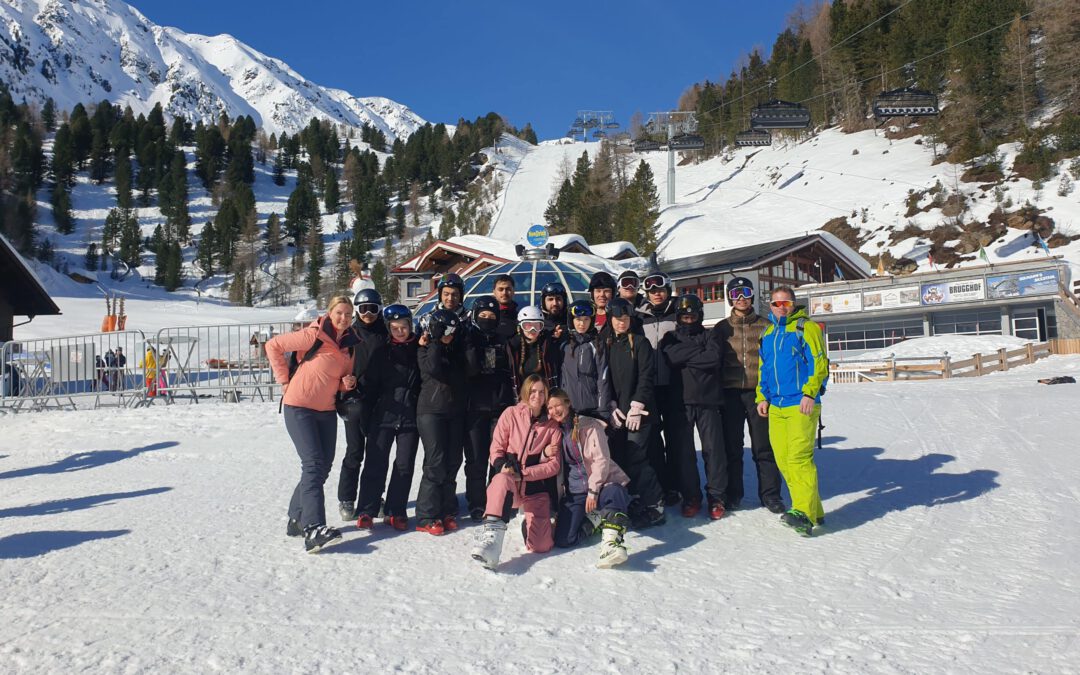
{"x": 393, "y": 380}
{"x": 694, "y": 356}
{"x": 534, "y": 350}
{"x": 440, "y": 417}
{"x": 508, "y": 307}
{"x": 585, "y": 376}
{"x": 355, "y": 406}
{"x": 630, "y": 364}
{"x": 491, "y": 390}
{"x": 669, "y": 424}
{"x": 553, "y": 306}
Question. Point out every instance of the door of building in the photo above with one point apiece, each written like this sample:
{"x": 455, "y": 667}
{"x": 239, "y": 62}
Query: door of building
{"x": 1030, "y": 324}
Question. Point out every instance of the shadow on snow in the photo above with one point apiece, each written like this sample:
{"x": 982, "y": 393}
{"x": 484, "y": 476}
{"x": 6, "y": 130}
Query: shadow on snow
{"x": 32, "y": 544}
{"x": 76, "y": 503}
{"x": 86, "y": 460}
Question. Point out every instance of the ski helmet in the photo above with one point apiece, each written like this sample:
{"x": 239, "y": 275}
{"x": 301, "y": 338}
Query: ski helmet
{"x": 396, "y": 312}
{"x": 485, "y": 303}
{"x": 601, "y": 280}
{"x": 619, "y": 307}
{"x": 529, "y": 313}
{"x": 453, "y": 281}
{"x": 689, "y": 304}
{"x": 442, "y": 322}
{"x": 741, "y": 287}
{"x": 580, "y": 308}
{"x": 655, "y": 281}
{"x": 552, "y": 288}
{"x": 629, "y": 279}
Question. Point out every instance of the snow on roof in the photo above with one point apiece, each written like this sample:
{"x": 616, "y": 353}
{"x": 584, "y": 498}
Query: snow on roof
{"x": 613, "y": 249}
{"x": 561, "y": 241}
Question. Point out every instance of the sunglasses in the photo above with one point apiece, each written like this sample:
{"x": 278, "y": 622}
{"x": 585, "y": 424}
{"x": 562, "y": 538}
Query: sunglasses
{"x": 737, "y": 293}
{"x": 628, "y": 283}
{"x": 367, "y": 309}
{"x": 532, "y": 326}
{"x": 781, "y": 303}
{"x": 655, "y": 282}
{"x": 580, "y": 311}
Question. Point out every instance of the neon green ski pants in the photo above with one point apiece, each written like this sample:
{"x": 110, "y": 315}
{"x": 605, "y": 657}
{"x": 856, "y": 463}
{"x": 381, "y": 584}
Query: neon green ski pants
{"x": 792, "y": 435}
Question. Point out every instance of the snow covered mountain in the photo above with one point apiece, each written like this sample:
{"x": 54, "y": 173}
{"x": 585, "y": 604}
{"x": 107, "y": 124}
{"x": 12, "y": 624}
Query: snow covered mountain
{"x": 90, "y": 50}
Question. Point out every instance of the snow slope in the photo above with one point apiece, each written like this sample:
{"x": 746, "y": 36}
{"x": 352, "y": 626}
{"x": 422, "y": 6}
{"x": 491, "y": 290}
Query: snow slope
{"x": 756, "y": 194}
{"x": 87, "y": 51}
{"x": 153, "y": 540}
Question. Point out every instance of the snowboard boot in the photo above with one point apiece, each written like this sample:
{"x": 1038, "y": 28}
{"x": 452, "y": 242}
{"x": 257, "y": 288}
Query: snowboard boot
{"x": 798, "y": 521}
{"x": 318, "y": 537}
{"x": 489, "y": 543}
{"x": 293, "y": 529}
{"x": 612, "y": 549}
{"x": 347, "y": 511}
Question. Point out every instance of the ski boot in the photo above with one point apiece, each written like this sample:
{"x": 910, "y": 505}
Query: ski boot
{"x": 293, "y": 529}
{"x": 489, "y": 543}
{"x": 364, "y": 522}
{"x": 347, "y": 511}
{"x": 612, "y": 549}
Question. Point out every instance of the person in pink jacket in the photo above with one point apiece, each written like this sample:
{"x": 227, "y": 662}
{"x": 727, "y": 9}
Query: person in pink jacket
{"x": 521, "y": 465}
{"x": 594, "y": 487}
{"x": 309, "y": 393}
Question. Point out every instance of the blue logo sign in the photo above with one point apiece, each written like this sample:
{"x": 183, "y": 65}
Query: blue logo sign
{"x": 537, "y": 236}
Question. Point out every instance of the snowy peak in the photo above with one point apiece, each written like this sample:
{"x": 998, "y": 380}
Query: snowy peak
{"x": 87, "y": 51}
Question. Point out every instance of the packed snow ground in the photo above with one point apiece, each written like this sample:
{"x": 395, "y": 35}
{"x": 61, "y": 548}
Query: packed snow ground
{"x": 153, "y": 540}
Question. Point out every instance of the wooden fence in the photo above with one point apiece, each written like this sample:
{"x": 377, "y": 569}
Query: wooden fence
{"x": 922, "y": 368}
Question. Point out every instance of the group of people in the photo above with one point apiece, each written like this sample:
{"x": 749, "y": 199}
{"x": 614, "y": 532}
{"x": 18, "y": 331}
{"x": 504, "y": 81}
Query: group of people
{"x": 579, "y": 414}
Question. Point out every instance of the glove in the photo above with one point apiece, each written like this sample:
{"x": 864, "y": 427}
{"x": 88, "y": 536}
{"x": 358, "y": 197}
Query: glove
{"x": 618, "y": 418}
{"x": 637, "y": 411}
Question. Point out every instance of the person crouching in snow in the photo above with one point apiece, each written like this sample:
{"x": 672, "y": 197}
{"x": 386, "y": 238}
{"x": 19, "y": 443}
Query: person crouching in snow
{"x": 521, "y": 465}
{"x": 595, "y": 495}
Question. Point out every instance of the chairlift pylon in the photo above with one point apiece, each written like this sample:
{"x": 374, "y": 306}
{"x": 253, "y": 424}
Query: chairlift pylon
{"x": 777, "y": 114}
{"x": 905, "y": 102}
{"x": 753, "y": 138}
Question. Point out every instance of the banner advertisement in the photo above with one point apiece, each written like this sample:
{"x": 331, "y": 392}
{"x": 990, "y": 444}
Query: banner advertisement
{"x": 1044, "y": 282}
{"x": 836, "y": 304}
{"x": 964, "y": 290}
{"x": 891, "y": 298}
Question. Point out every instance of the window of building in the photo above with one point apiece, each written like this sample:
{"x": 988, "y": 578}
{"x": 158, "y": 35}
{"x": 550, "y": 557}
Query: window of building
{"x": 968, "y": 322}
{"x": 863, "y": 336}
{"x": 412, "y": 288}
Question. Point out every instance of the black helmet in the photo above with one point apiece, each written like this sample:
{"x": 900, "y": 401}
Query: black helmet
{"x": 690, "y": 304}
{"x": 580, "y": 308}
{"x": 367, "y": 301}
{"x": 744, "y": 285}
{"x": 442, "y": 322}
{"x": 552, "y": 288}
{"x": 484, "y": 303}
{"x": 601, "y": 280}
{"x": 453, "y": 281}
{"x": 619, "y": 307}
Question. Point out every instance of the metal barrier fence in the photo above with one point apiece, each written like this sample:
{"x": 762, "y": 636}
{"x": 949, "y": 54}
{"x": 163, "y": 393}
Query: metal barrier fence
{"x": 204, "y": 361}
{"x": 57, "y": 372}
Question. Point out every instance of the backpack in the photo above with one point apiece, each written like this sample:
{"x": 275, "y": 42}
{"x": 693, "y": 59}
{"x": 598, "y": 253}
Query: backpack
{"x": 294, "y": 365}
{"x": 800, "y": 331}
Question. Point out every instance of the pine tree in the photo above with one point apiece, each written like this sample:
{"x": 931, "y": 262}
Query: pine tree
{"x": 91, "y": 261}
{"x": 331, "y": 191}
{"x": 48, "y": 114}
{"x": 207, "y": 249}
{"x": 342, "y": 271}
{"x": 63, "y": 159}
{"x": 123, "y": 184}
{"x": 159, "y": 245}
{"x": 130, "y": 239}
{"x": 316, "y": 257}
{"x": 638, "y": 210}
{"x": 61, "y": 208}
{"x": 274, "y": 242}
{"x": 174, "y": 267}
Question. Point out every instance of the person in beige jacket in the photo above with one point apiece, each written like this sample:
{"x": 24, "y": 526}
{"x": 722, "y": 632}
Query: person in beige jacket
{"x": 309, "y": 394}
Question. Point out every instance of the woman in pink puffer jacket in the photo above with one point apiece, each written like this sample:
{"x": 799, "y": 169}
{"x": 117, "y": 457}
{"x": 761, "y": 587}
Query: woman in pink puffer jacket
{"x": 309, "y": 395}
{"x": 521, "y": 466}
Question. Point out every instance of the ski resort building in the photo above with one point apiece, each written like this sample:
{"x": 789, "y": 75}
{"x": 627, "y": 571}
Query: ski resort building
{"x": 21, "y": 293}
{"x": 1028, "y": 299}
{"x": 567, "y": 259}
{"x": 792, "y": 261}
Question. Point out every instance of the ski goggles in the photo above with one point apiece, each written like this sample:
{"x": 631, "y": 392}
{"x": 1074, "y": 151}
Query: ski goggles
{"x": 367, "y": 308}
{"x": 782, "y": 303}
{"x": 577, "y": 311}
{"x": 741, "y": 292}
{"x": 655, "y": 282}
{"x": 629, "y": 283}
{"x": 532, "y": 326}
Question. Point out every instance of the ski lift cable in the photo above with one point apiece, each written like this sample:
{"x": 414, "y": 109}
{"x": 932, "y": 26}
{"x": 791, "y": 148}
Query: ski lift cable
{"x": 812, "y": 59}
{"x": 1053, "y": 3}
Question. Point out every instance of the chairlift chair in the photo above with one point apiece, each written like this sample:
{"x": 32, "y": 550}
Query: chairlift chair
{"x": 646, "y": 145}
{"x": 687, "y": 142}
{"x": 905, "y": 102}
{"x": 753, "y": 138}
{"x": 599, "y": 134}
{"x": 592, "y": 123}
{"x": 777, "y": 114}
{"x": 611, "y": 125}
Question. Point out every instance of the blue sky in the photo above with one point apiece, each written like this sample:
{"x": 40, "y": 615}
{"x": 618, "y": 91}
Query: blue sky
{"x": 532, "y": 62}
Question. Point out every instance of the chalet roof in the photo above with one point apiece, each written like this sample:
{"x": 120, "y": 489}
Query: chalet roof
{"x": 20, "y": 287}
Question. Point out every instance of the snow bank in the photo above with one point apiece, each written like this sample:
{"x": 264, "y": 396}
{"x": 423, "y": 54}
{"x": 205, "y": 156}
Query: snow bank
{"x": 956, "y": 346}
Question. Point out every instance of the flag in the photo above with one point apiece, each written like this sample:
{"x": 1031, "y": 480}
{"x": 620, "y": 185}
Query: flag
{"x": 838, "y": 273}
{"x": 982, "y": 254}
{"x": 880, "y": 267}
{"x": 1042, "y": 244}
{"x": 930, "y": 258}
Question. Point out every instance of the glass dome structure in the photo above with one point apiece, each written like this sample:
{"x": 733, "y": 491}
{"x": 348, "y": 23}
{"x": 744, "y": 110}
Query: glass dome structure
{"x": 530, "y": 276}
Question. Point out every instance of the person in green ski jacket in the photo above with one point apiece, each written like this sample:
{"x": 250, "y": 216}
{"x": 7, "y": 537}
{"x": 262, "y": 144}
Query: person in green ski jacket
{"x": 792, "y": 371}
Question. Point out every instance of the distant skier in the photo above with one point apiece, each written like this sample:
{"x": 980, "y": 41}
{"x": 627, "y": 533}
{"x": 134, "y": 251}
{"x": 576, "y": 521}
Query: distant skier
{"x": 793, "y": 367}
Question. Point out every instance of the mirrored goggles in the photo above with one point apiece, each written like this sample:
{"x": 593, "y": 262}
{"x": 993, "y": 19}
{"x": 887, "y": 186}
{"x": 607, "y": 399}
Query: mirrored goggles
{"x": 655, "y": 282}
{"x": 581, "y": 310}
{"x": 781, "y": 303}
{"x": 741, "y": 292}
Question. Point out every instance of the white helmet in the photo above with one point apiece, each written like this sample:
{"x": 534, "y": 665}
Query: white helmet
{"x": 530, "y": 313}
